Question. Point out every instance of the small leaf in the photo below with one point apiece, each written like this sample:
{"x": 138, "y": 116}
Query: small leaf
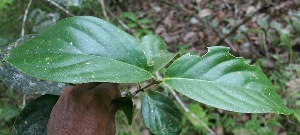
{"x": 128, "y": 15}
{"x": 220, "y": 80}
{"x": 156, "y": 51}
{"x": 297, "y": 114}
{"x": 34, "y": 117}
{"x": 262, "y": 22}
{"x": 8, "y": 113}
{"x": 126, "y": 105}
{"x": 3, "y": 42}
{"x": 277, "y": 26}
{"x": 296, "y": 23}
{"x": 82, "y": 49}
{"x": 160, "y": 114}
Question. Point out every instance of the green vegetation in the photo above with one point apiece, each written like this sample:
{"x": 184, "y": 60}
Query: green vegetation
{"x": 270, "y": 42}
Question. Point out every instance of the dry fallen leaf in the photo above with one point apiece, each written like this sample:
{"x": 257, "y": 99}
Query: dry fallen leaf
{"x": 250, "y": 10}
{"x": 205, "y": 12}
{"x": 294, "y": 84}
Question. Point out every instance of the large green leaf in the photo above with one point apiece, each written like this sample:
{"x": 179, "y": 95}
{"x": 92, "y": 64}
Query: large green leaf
{"x": 23, "y": 83}
{"x": 160, "y": 114}
{"x": 220, "y": 80}
{"x": 82, "y": 49}
{"x": 34, "y": 117}
{"x": 156, "y": 51}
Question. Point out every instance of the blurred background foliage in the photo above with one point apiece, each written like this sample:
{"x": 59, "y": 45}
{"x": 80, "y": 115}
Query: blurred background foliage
{"x": 268, "y": 36}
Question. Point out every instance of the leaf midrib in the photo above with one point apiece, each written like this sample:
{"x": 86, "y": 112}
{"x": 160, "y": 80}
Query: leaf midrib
{"x": 217, "y": 83}
{"x": 178, "y": 78}
{"x": 78, "y": 55}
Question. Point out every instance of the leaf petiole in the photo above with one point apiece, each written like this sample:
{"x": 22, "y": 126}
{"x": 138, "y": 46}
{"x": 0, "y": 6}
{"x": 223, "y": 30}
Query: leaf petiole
{"x": 147, "y": 86}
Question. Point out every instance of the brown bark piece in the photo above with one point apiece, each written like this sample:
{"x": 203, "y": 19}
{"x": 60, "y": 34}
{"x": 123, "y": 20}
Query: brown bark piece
{"x": 84, "y": 110}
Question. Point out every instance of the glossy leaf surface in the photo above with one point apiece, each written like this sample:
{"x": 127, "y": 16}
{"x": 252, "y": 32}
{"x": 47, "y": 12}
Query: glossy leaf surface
{"x": 34, "y": 118}
{"x": 220, "y": 80}
{"x": 160, "y": 114}
{"x": 23, "y": 83}
{"x": 156, "y": 51}
{"x": 82, "y": 49}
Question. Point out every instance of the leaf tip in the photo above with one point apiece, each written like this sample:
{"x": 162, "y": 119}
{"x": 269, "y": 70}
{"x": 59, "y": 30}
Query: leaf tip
{"x": 287, "y": 111}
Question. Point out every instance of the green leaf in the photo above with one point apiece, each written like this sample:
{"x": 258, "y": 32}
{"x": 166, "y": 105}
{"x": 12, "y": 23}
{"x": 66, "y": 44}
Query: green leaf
{"x": 156, "y": 51}
{"x": 296, "y": 23}
{"x": 220, "y": 80}
{"x": 3, "y": 41}
{"x": 82, "y": 49}
{"x": 128, "y": 15}
{"x": 126, "y": 105}
{"x": 262, "y": 22}
{"x": 277, "y": 26}
{"x": 34, "y": 117}
{"x": 8, "y": 113}
{"x": 297, "y": 114}
{"x": 160, "y": 114}
{"x": 23, "y": 83}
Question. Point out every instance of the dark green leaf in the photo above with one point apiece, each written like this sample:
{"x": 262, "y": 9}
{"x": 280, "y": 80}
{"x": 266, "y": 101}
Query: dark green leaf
{"x": 156, "y": 51}
{"x": 126, "y": 105}
{"x": 160, "y": 114}
{"x": 82, "y": 49}
{"x": 34, "y": 117}
{"x": 220, "y": 80}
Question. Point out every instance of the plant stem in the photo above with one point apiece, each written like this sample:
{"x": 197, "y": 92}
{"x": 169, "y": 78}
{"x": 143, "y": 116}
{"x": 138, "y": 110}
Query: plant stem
{"x": 119, "y": 21}
{"x": 103, "y": 9}
{"x": 22, "y": 34}
{"x": 60, "y": 7}
{"x": 147, "y": 86}
{"x": 211, "y": 132}
{"x": 24, "y": 18}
